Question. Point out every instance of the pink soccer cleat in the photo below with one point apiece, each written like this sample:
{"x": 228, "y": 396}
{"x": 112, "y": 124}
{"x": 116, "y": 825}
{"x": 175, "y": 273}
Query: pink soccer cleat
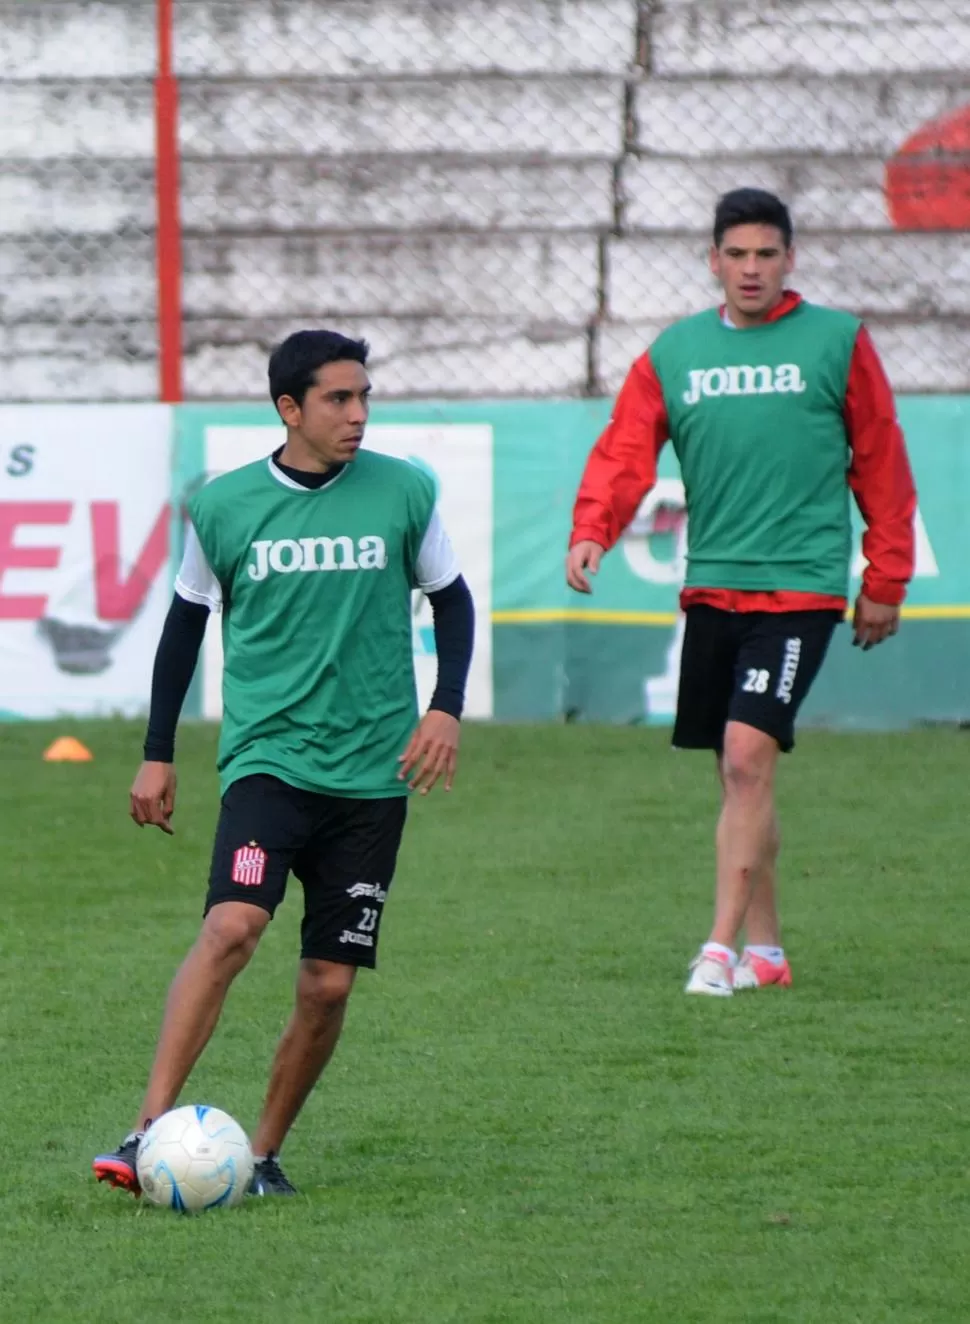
{"x": 755, "y": 972}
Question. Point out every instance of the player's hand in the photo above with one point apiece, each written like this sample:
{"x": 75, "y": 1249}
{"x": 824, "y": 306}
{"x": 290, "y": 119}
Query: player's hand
{"x": 153, "y": 796}
{"x": 584, "y": 556}
{"x": 432, "y": 752}
{"x": 872, "y": 622}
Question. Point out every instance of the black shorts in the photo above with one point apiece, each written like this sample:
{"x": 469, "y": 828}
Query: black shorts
{"x": 752, "y": 667}
{"x": 342, "y": 850}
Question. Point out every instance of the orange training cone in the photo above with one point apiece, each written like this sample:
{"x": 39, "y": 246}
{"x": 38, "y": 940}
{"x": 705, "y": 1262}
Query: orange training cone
{"x": 67, "y": 750}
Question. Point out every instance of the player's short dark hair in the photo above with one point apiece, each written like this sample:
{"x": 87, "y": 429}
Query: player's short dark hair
{"x": 293, "y": 364}
{"x": 751, "y": 206}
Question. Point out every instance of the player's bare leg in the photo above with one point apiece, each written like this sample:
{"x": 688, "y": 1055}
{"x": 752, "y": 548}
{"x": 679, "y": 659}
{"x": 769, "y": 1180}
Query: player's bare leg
{"x": 228, "y": 939}
{"x": 761, "y": 918}
{"x": 306, "y": 1047}
{"x": 230, "y": 933}
{"x": 761, "y": 924}
{"x": 747, "y": 832}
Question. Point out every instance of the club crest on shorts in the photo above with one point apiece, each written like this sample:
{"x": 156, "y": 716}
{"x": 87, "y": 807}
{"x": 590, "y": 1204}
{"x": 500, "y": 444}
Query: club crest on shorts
{"x": 249, "y": 865}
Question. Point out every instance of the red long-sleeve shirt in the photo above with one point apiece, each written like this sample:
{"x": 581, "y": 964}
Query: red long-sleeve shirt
{"x": 622, "y": 468}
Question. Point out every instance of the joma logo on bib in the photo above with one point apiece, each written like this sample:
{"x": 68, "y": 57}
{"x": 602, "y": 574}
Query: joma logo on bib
{"x": 786, "y": 379}
{"x": 288, "y": 555}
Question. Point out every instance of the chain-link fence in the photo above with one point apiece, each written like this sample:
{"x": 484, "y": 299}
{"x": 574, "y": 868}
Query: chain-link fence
{"x": 77, "y": 209}
{"x": 506, "y": 197}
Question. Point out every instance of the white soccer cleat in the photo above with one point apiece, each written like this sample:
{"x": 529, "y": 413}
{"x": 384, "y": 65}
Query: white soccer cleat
{"x": 710, "y": 976}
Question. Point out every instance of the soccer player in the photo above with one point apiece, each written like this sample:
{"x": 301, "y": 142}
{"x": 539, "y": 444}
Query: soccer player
{"x": 312, "y": 556}
{"x": 776, "y": 409}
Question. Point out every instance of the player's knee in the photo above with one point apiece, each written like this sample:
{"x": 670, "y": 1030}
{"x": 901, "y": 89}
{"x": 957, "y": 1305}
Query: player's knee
{"x": 324, "y": 988}
{"x": 742, "y": 774}
{"x": 231, "y": 932}
{"x": 748, "y": 761}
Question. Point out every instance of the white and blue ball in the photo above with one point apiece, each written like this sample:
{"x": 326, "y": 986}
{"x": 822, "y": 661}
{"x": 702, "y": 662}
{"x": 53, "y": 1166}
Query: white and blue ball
{"x": 195, "y": 1158}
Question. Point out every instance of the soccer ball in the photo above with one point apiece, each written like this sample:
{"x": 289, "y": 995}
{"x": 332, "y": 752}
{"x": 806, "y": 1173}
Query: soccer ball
{"x": 194, "y": 1158}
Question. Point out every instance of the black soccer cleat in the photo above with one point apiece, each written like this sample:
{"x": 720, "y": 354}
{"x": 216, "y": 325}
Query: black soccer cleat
{"x": 119, "y": 1168}
{"x": 269, "y": 1178}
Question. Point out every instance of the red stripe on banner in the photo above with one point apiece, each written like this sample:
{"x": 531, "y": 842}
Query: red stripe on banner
{"x": 168, "y": 222}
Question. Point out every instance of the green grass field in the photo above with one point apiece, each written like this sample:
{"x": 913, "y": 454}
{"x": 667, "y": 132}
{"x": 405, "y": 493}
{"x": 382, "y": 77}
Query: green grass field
{"x": 526, "y": 1120}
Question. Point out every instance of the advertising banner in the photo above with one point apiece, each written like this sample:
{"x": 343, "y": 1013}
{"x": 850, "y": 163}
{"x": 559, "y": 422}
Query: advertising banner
{"x": 84, "y": 556}
{"x": 86, "y": 562}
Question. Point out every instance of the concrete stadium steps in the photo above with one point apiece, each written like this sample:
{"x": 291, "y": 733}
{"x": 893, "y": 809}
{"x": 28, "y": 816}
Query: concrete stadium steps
{"x": 858, "y": 36}
{"x": 397, "y": 193}
{"x": 377, "y": 193}
{"x": 577, "y": 116}
{"x": 546, "y": 277}
{"x": 567, "y": 116}
{"x": 83, "y": 360}
{"x": 98, "y": 196}
{"x": 77, "y": 196}
{"x": 549, "y": 277}
{"x": 94, "y": 40}
{"x": 814, "y": 117}
{"x": 50, "y": 121}
{"x": 46, "y": 277}
{"x": 351, "y": 38}
{"x": 342, "y": 38}
{"x": 558, "y": 116}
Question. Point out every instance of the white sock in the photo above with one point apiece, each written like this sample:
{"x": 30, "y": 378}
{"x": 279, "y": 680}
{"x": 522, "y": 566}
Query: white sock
{"x": 721, "y": 953}
{"x": 776, "y": 955}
